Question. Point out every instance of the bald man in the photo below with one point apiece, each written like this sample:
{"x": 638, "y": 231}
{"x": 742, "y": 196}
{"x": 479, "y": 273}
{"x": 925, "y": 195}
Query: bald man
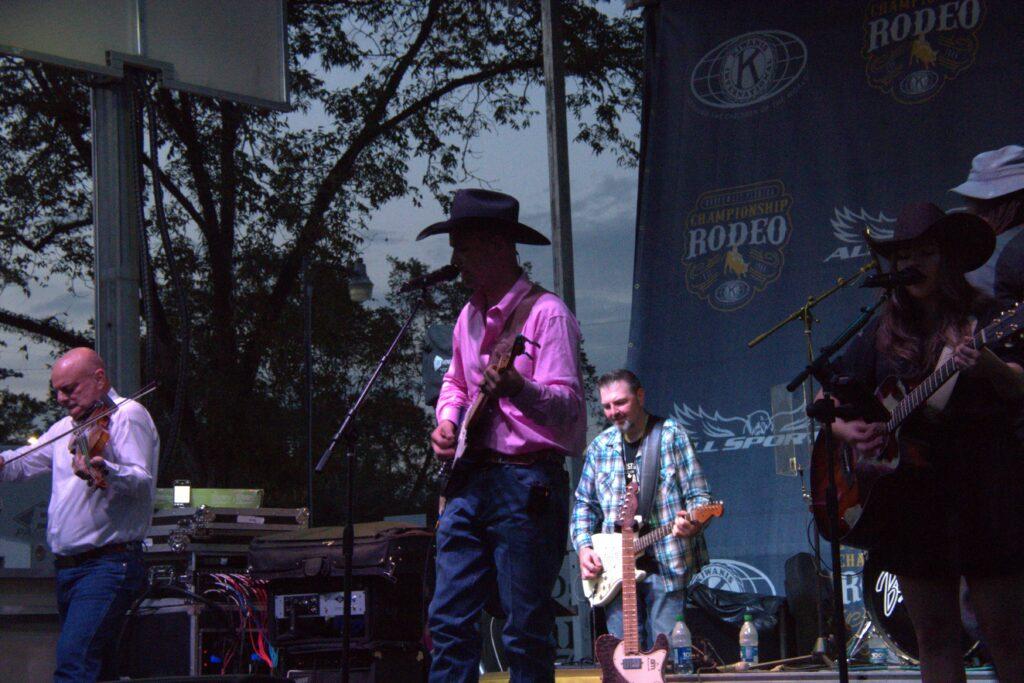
{"x": 95, "y": 532}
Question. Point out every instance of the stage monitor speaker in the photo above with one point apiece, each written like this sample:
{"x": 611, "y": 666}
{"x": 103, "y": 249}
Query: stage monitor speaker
{"x": 802, "y": 602}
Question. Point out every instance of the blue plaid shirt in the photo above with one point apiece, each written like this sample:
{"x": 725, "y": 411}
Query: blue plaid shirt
{"x": 681, "y": 484}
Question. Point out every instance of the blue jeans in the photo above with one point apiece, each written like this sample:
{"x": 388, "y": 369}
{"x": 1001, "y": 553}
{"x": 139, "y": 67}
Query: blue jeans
{"x": 656, "y": 611}
{"x": 93, "y": 598}
{"x": 504, "y": 528}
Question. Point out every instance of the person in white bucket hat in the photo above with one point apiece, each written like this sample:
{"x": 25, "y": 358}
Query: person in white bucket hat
{"x": 994, "y": 191}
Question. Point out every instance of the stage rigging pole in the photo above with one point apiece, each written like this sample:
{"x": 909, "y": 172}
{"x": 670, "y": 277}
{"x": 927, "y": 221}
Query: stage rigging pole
{"x": 561, "y": 239}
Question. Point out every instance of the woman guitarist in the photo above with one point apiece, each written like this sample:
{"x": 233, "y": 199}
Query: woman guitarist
{"x": 962, "y": 513}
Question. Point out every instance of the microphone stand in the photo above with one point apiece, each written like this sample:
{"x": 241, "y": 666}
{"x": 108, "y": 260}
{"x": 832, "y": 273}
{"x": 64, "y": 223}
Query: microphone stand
{"x": 820, "y": 651}
{"x": 825, "y": 412}
{"x": 347, "y": 433}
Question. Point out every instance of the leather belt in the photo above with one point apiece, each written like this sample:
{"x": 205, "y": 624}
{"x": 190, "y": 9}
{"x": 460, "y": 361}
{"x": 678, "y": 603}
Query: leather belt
{"x": 486, "y": 456}
{"x": 70, "y": 561}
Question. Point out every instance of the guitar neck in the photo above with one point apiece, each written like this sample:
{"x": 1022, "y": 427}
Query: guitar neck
{"x": 924, "y": 390}
{"x": 630, "y": 623}
{"x": 651, "y": 537}
{"x": 475, "y": 407}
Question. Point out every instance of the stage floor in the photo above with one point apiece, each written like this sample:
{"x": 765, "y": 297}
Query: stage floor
{"x": 856, "y": 674}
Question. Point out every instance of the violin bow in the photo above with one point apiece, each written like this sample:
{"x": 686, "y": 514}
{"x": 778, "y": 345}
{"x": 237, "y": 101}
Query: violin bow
{"x": 149, "y": 388}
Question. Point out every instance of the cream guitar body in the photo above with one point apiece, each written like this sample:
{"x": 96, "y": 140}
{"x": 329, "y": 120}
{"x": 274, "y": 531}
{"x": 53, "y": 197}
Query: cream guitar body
{"x": 605, "y": 586}
{"x": 602, "y": 589}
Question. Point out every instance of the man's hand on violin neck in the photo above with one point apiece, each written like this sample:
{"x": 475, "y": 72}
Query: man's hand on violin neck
{"x": 87, "y": 470}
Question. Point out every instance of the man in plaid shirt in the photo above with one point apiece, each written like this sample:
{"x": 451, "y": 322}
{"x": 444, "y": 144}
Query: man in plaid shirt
{"x": 614, "y": 457}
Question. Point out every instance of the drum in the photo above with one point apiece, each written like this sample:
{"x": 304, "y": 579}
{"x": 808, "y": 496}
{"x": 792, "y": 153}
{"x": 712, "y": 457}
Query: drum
{"x": 883, "y": 602}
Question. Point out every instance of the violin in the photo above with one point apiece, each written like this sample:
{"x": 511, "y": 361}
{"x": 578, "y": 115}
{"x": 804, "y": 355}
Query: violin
{"x": 89, "y": 439}
{"x": 88, "y": 442}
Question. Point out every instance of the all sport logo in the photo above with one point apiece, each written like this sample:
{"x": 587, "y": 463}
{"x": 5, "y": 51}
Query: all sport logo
{"x": 913, "y": 47}
{"x": 734, "y": 242}
{"x": 714, "y": 432}
{"x": 746, "y": 71}
{"x": 848, "y": 226}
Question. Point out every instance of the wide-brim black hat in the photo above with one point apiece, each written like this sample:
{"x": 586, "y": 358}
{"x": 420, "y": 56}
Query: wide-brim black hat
{"x": 486, "y": 210}
{"x": 965, "y": 240}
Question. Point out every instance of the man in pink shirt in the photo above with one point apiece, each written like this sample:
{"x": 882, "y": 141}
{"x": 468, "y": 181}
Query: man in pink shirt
{"x": 505, "y": 523}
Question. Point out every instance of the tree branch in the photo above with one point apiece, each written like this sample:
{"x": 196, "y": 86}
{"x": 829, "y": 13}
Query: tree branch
{"x": 45, "y": 329}
{"x": 470, "y": 79}
{"x": 312, "y": 229}
{"x": 56, "y": 230}
{"x": 61, "y": 109}
{"x": 178, "y": 195}
{"x": 184, "y": 125}
{"x": 393, "y": 82}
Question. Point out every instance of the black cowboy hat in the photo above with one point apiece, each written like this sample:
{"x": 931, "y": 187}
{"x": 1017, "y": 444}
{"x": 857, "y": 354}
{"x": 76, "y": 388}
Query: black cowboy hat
{"x": 487, "y": 210}
{"x": 966, "y": 240}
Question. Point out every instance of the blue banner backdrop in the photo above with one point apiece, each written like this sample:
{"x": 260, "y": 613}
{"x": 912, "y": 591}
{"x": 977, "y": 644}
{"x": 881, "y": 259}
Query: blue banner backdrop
{"x": 773, "y": 133}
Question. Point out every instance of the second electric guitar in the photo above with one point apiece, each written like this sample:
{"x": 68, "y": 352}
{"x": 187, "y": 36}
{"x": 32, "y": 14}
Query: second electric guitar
{"x": 602, "y": 589}
{"x": 622, "y": 661}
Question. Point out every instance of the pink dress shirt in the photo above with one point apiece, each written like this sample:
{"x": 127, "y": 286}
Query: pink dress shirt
{"x": 550, "y": 411}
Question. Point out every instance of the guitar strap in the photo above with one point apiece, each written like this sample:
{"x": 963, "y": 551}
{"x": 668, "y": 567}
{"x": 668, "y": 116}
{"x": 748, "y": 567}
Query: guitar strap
{"x": 649, "y": 471}
{"x": 515, "y": 323}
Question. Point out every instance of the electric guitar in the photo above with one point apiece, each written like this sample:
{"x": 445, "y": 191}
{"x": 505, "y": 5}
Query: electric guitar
{"x": 605, "y": 586}
{"x": 621, "y": 660}
{"x": 870, "y": 488}
{"x": 476, "y": 410}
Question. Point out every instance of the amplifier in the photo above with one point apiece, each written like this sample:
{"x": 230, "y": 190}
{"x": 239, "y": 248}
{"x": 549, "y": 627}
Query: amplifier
{"x": 303, "y": 605}
{"x": 381, "y": 610}
{"x": 304, "y": 575}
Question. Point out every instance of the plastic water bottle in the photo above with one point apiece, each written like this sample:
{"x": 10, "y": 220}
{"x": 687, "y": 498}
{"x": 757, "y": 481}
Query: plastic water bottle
{"x": 748, "y": 640}
{"x": 878, "y": 653}
{"x": 682, "y": 648}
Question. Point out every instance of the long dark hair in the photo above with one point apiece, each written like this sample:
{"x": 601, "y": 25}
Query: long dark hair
{"x": 907, "y": 333}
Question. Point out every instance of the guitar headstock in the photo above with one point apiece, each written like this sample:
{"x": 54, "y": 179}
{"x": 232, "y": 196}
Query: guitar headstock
{"x": 702, "y": 513}
{"x": 627, "y": 511}
{"x": 518, "y": 349}
{"x": 1007, "y": 325}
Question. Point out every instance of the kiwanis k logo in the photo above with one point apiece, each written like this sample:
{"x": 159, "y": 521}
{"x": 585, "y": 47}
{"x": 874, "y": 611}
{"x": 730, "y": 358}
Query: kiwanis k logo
{"x": 912, "y": 53}
{"x": 734, "y": 242}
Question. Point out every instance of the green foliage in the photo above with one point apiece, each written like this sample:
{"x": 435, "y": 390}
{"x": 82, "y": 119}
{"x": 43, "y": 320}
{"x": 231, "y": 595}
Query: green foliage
{"x": 251, "y": 195}
{"x": 22, "y": 416}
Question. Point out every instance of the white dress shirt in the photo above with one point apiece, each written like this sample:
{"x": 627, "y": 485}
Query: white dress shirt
{"x": 82, "y": 517}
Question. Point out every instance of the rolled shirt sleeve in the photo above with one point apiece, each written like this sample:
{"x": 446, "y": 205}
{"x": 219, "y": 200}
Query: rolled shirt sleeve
{"x": 554, "y": 394}
{"x": 36, "y": 463}
{"x": 132, "y": 453}
{"x": 587, "y": 514}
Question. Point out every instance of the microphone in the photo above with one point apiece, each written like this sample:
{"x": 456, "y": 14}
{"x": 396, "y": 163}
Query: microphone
{"x": 899, "y": 278}
{"x": 432, "y": 278}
